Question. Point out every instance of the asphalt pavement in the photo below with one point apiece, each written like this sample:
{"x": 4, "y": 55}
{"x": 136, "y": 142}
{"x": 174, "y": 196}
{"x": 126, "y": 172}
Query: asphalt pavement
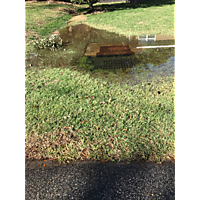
{"x": 90, "y": 180}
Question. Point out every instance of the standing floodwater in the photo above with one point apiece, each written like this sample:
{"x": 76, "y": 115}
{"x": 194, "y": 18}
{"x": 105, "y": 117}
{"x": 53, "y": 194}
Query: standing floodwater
{"x": 108, "y": 56}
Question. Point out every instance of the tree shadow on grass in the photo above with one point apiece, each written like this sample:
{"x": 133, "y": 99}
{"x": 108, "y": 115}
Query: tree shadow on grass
{"x": 124, "y": 6}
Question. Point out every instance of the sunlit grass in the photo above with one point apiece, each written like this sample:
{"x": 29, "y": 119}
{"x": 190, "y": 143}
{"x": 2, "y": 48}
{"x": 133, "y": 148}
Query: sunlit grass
{"x": 136, "y": 21}
{"x": 115, "y": 121}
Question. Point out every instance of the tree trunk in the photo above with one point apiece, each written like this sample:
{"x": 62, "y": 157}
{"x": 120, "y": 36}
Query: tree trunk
{"x": 90, "y": 4}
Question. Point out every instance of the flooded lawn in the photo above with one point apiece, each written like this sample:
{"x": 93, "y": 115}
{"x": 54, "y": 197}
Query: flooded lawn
{"x": 109, "y": 56}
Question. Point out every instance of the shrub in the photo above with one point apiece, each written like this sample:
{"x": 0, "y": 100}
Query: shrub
{"x": 52, "y": 43}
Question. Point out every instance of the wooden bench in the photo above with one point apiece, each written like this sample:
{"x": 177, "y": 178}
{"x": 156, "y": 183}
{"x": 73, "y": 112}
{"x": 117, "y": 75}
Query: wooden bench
{"x": 115, "y": 50}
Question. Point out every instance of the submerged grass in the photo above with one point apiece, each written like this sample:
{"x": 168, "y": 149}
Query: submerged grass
{"x": 71, "y": 116}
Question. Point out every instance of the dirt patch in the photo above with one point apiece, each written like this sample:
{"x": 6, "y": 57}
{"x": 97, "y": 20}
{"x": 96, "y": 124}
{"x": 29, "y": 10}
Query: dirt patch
{"x": 83, "y": 16}
{"x": 78, "y": 18}
{"x": 39, "y": 147}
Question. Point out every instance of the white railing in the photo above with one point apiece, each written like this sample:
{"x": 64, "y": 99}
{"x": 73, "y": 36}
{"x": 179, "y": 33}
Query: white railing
{"x": 150, "y": 38}
{"x": 147, "y": 37}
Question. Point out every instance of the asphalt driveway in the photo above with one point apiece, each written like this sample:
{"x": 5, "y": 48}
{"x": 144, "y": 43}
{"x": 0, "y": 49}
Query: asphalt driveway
{"x": 89, "y": 180}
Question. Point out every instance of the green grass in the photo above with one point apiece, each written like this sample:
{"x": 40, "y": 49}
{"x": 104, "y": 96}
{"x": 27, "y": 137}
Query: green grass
{"x": 66, "y": 119}
{"x": 41, "y": 19}
{"x": 145, "y": 119}
{"x": 134, "y": 19}
{"x": 53, "y": 25}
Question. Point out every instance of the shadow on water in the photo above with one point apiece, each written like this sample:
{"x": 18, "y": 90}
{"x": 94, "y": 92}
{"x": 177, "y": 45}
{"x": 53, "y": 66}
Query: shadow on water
{"x": 108, "y": 56}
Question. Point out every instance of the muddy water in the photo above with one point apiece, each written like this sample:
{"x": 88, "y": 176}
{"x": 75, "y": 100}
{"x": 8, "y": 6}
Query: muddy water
{"x": 141, "y": 65}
